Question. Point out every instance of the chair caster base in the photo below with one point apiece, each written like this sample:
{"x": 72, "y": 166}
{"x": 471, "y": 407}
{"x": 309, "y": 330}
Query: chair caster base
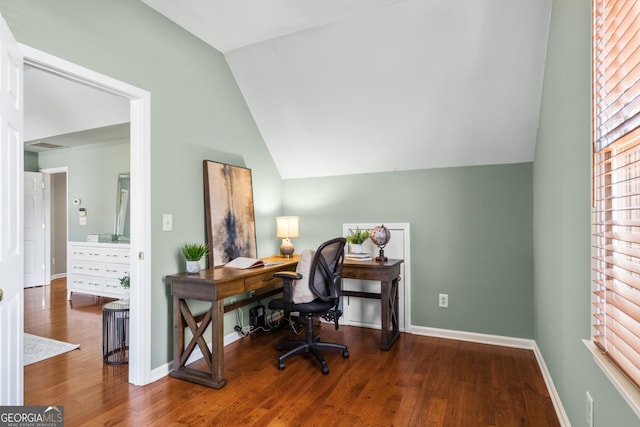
{"x": 280, "y": 366}
{"x": 345, "y": 354}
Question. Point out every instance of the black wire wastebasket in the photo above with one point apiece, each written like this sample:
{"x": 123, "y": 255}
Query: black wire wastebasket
{"x": 115, "y": 332}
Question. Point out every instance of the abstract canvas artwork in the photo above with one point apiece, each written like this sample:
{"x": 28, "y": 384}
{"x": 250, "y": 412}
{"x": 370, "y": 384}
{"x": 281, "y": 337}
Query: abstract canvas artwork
{"x": 230, "y": 222}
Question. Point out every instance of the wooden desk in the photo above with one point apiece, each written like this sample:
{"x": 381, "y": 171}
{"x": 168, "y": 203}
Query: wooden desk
{"x": 388, "y": 273}
{"x": 215, "y": 284}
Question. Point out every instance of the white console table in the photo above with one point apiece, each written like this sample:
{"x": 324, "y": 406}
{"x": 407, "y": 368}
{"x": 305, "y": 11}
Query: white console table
{"x": 96, "y": 268}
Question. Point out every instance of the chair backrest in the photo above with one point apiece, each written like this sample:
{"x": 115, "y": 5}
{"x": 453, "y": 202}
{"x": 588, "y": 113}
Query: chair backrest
{"x": 326, "y": 269}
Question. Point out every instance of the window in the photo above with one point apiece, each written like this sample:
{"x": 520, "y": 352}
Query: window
{"x": 616, "y": 185}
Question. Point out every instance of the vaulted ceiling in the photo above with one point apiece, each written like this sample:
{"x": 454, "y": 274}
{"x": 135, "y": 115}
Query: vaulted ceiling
{"x": 355, "y": 86}
{"x": 342, "y": 87}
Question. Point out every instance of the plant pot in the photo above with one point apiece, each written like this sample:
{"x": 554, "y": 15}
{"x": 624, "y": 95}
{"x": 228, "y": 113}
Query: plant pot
{"x": 355, "y": 248}
{"x": 193, "y": 267}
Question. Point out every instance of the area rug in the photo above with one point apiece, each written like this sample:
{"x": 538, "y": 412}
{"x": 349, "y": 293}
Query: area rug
{"x": 39, "y": 348}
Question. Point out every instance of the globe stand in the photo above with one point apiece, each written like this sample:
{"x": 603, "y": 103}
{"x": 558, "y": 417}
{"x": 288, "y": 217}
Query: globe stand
{"x": 381, "y": 258}
{"x": 380, "y": 236}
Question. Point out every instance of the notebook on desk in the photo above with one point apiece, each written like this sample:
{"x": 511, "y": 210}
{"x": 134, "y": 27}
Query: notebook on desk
{"x": 246, "y": 262}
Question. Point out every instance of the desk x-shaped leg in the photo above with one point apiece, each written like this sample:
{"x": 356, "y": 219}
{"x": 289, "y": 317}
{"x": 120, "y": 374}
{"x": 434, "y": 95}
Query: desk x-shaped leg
{"x": 197, "y": 332}
{"x": 183, "y": 317}
{"x": 389, "y": 302}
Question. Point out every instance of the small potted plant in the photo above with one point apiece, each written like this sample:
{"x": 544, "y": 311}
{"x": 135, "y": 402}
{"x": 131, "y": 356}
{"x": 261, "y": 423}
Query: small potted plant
{"x": 194, "y": 252}
{"x": 124, "y": 281}
{"x": 356, "y": 239}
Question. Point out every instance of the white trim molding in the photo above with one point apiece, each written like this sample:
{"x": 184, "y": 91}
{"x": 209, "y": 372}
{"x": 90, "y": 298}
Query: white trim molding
{"x": 620, "y": 381}
{"x": 140, "y": 159}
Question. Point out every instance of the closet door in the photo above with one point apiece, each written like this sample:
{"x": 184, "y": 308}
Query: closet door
{"x": 34, "y": 230}
{"x": 365, "y": 312}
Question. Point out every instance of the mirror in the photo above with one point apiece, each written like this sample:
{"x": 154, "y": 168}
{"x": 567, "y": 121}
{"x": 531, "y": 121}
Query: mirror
{"x": 121, "y": 226}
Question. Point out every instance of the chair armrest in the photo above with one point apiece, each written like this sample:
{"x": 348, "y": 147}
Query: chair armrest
{"x": 288, "y": 277}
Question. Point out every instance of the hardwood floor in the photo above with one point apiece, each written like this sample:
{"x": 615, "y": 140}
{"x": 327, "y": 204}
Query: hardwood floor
{"x": 421, "y": 381}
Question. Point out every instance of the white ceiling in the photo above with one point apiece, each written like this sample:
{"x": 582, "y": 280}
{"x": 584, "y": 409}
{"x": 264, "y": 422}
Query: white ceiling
{"x": 342, "y": 87}
{"x": 354, "y": 86}
{"x": 65, "y": 113}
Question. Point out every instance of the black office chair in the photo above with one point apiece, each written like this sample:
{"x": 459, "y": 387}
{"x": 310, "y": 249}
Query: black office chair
{"x": 326, "y": 284}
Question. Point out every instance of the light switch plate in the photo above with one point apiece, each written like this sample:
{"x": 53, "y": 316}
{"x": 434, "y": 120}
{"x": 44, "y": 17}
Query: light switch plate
{"x": 167, "y": 222}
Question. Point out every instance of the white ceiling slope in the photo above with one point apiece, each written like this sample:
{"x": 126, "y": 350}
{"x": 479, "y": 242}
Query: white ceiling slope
{"x": 66, "y": 113}
{"x": 344, "y": 87}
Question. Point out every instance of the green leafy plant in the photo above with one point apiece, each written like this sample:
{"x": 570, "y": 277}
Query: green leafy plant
{"x": 124, "y": 281}
{"x": 358, "y": 236}
{"x": 195, "y": 251}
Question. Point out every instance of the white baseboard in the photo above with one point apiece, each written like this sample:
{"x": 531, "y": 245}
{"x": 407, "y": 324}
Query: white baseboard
{"x": 523, "y": 343}
{"x": 164, "y": 370}
{"x": 161, "y": 371}
{"x": 557, "y": 403}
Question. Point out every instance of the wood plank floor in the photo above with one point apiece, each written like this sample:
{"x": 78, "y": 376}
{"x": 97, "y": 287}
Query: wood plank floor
{"x": 421, "y": 381}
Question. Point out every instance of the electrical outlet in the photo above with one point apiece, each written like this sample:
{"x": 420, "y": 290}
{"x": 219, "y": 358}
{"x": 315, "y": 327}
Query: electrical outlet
{"x": 589, "y": 410}
{"x": 443, "y": 300}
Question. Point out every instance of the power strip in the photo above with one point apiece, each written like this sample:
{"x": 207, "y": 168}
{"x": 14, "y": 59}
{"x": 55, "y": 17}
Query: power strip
{"x": 256, "y": 317}
{"x": 269, "y": 322}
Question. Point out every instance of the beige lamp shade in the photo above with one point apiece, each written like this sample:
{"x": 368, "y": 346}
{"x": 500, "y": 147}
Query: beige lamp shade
{"x": 286, "y": 228}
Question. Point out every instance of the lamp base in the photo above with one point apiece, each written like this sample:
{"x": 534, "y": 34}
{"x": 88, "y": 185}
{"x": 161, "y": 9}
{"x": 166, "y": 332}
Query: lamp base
{"x": 286, "y": 248}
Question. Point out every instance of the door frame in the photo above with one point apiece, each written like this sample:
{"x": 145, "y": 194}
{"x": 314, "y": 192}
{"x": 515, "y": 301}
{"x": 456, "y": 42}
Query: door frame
{"x": 140, "y": 155}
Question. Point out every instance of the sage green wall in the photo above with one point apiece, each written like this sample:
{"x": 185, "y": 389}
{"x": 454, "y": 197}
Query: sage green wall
{"x": 562, "y": 226}
{"x": 31, "y": 162}
{"x": 197, "y": 113}
{"x": 92, "y": 177}
{"x": 471, "y": 237}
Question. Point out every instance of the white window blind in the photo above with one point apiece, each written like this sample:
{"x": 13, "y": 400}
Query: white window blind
{"x": 616, "y": 174}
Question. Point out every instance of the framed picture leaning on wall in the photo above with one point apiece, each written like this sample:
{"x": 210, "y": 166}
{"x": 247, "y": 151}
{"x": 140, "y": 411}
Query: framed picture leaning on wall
{"x": 230, "y": 221}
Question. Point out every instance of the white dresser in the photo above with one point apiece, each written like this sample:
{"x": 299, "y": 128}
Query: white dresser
{"x": 96, "y": 268}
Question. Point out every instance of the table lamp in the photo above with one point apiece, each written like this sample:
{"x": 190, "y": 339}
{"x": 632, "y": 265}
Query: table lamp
{"x": 286, "y": 228}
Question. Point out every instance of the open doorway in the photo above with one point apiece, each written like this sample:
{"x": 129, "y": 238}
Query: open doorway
{"x": 58, "y": 218}
{"x": 56, "y": 222}
{"x": 139, "y": 103}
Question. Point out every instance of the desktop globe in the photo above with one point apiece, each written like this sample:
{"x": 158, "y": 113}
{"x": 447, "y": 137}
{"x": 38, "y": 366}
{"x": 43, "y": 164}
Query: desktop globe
{"x": 380, "y": 235}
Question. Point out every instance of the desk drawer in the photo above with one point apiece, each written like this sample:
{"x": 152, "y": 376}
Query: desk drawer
{"x": 264, "y": 280}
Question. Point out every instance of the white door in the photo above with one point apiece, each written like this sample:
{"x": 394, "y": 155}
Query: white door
{"x": 11, "y": 231}
{"x": 365, "y": 312}
{"x": 34, "y": 230}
